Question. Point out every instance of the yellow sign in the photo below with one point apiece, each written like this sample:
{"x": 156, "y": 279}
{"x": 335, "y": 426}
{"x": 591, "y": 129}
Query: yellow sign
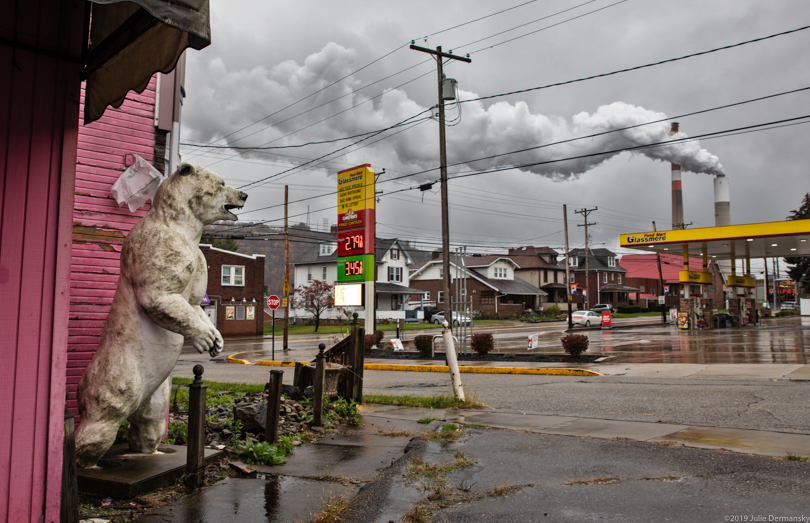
{"x": 286, "y": 289}
{"x": 728, "y": 232}
{"x": 695, "y": 277}
{"x": 284, "y": 302}
{"x": 741, "y": 281}
{"x": 355, "y": 189}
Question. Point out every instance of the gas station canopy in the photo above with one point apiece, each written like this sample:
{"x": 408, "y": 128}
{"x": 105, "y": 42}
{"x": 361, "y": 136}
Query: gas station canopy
{"x": 754, "y": 240}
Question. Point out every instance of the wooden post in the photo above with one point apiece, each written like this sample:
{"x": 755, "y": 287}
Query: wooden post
{"x": 69, "y": 505}
{"x": 359, "y": 341}
{"x": 298, "y": 375}
{"x": 273, "y": 406}
{"x": 320, "y": 371}
{"x": 195, "y": 457}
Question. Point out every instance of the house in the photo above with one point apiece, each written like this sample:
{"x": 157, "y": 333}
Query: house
{"x": 392, "y": 263}
{"x": 491, "y": 284}
{"x": 642, "y": 272}
{"x": 605, "y": 278}
{"x": 540, "y": 267}
{"x": 235, "y": 291}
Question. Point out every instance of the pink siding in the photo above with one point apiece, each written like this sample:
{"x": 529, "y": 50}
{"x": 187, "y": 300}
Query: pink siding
{"x": 99, "y": 225}
{"x": 38, "y": 122}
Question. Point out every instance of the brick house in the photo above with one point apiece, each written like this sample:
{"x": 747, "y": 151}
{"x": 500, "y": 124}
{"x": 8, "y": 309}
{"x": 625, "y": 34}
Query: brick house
{"x": 642, "y": 272}
{"x": 605, "y": 275}
{"x": 540, "y": 267}
{"x": 235, "y": 290}
{"x": 491, "y": 284}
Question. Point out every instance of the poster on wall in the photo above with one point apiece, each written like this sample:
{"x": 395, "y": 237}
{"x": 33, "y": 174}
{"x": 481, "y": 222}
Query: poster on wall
{"x": 229, "y": 312}
{"x": 250, "y": 313}
{"x": 683, "y": 320}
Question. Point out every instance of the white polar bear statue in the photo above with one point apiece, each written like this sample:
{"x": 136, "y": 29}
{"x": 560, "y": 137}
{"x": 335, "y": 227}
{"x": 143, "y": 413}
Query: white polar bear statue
{"x": 163, "y": 279}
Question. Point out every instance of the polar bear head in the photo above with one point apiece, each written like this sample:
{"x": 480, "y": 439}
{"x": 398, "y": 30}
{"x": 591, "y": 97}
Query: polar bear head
{"x": 198, "y": 192}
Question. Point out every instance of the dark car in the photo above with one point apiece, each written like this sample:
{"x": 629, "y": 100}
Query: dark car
{"x": 429, "y": 312}
{"x": 601, "y": 307}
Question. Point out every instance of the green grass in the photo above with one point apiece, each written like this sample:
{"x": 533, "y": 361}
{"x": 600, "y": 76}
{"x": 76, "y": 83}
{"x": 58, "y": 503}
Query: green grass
{"x": 444, "y": 401}
{"x": 244, "y": 388}
{"x": 635, "y": 314}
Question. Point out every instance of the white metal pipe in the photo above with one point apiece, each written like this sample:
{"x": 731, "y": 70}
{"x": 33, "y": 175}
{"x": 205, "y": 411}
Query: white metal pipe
{"x": 452, "y": 362}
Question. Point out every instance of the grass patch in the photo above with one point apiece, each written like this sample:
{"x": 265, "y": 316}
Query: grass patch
{"x": 443, "y": 401}
{"x": 634, "y": 314}
{"x": 396, "y": 433}
{"x": 795, "y": 457}
{"x": 425, "y": 421}
{"x": 435, "y": 474}
{"x": 447, "y": 433}
{"x": 476, "y": 426}
{"x": 343, "y": 480}
{"x": 605, "y": 480}
{"x": 336, "y": 508}
{"x": 661, "y": 478}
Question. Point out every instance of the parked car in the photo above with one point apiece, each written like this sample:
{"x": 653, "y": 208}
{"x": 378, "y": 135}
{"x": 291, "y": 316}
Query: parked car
{"x": 429, "y": 312}
{"x": 586, "y": 318}
{"x": 458, "y": 319}
{"x": 789, "y": 306}
{"x": 600, "y": 307}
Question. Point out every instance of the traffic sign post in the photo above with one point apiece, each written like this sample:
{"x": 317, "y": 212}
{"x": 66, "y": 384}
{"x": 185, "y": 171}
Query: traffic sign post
{"x": 273, "y": 302}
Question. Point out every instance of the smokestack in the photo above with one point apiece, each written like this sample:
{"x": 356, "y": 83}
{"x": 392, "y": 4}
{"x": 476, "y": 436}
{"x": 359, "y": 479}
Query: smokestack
{"x": 722, "y": 205}
{"x": 677, "y": 192}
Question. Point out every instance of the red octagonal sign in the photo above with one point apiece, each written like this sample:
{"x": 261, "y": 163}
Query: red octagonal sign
{"x": 273, "y": 302}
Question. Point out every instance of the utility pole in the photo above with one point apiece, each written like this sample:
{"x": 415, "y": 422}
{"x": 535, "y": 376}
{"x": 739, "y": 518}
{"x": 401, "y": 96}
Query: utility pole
{"x": 585, "y": 213}
{"x": 661, "y": 279}
{"x": 567, "y": 269}
{"x": 439, "y": 55}
{"x": 286, "y": 269}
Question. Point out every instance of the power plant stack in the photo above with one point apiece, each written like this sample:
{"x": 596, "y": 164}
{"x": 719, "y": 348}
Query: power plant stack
{"x": 722, "y": 205}
{"x": 677, "y": 192}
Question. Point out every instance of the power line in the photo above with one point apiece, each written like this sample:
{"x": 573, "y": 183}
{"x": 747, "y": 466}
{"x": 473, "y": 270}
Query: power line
{"x": 478, "y": 19}
{"x": 638, "y": 66}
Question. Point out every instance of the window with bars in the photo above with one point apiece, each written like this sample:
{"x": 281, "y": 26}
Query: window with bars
{"x": 233, "y": 275}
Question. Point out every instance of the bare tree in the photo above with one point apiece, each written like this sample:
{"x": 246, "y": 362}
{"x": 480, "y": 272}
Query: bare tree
{"x": 316, "y": 297}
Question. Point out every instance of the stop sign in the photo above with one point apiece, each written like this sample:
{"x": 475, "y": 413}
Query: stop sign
{"x": 273, "y": 302}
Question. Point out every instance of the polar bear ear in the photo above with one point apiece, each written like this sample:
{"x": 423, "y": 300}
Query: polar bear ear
{"x": 185, "y": 169}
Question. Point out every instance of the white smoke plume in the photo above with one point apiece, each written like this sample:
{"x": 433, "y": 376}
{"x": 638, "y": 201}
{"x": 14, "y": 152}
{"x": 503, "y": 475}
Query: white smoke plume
{"x": 233, "y": 99}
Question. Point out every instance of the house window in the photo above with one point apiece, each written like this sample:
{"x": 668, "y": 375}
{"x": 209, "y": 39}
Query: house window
{"x": 572, "y": 279}
{"x": 611, "y": 261}
{"x": 323, "y": 272}
{"x": 309, "y": 274}
{"x": 641, "y": 287}
{"x": 394, "y": 254}
{"x": 463, "y": 292}
{"x": 604, "y": 277}
{"x": 326, "y": 249}
{"x": 545, "y": 276}
{"x": 441, "y": 274}
{"x": 620, "y": 279}
{"x": 573, "y": 261}
{"x": 441, "y": 296}
{"x": 500, "y": 272}
{"x": 395, "y": 302}
{"x": 555, "y": 277}
{"x": 426, "y": 296}
{"x": 233, "y": 275}
{"x": 395, "y": 274}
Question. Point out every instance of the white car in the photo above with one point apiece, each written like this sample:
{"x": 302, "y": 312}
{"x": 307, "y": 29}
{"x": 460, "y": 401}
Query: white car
{"x": 586, "y": 318}
{"x": 458, "y": 319}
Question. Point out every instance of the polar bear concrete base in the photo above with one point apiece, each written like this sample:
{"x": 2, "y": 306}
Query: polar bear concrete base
{"x": 163, "y": 278}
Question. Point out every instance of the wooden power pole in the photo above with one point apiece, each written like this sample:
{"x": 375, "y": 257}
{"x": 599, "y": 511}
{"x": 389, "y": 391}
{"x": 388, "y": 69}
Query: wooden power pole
{"x": 585, "y": 213}
{"x": 567, "y": 269}
{"x": 448, "y": 314}
{"x": 286, "y": 269}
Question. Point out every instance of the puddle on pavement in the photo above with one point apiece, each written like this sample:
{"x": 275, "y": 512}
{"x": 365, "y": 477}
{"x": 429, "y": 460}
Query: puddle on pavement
{"x": 274, "y": 499}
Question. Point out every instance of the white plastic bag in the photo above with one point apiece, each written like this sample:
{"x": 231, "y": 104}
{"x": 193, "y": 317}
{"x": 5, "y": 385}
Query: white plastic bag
{"x": 137, "y": 184}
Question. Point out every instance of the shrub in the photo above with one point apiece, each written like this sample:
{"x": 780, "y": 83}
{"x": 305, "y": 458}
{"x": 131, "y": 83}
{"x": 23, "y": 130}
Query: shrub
{"x": 552, "y": 312}
{"x": 483, "y": 343}
{"x": 178, "y": 434}
{"x": 575, "y": 344}
{"x": 630, "y": 309}
{"x": 423, "y": 344}
{"x": 373, "y": 339}
{"x": 509, "y": 356}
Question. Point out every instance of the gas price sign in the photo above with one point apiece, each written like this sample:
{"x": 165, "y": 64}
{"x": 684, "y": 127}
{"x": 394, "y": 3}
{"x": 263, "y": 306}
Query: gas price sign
{"x": 356, "y": 268}
{"x": 352, "y": 243}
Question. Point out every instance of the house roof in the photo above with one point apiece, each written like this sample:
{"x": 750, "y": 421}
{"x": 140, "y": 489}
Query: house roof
{"x": 614, "y": 287}
{"x": 382, "y": 287}
{"x": 516, "y": 286}
{"x": 595, "y": 262}
{"x": 486, "y": 261}
{"x": 381, "y": 247}
{"x": 645, "y": 266}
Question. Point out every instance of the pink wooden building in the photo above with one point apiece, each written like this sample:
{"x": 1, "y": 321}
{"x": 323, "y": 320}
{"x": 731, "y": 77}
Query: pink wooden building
{"x": 44, "y": 52}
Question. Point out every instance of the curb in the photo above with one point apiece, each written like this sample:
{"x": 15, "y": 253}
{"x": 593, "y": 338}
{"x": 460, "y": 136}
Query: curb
{"x": 435, "y": 368}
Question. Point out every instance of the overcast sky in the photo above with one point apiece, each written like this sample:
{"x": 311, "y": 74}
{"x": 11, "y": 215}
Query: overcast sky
{"x": 265, "y": 81}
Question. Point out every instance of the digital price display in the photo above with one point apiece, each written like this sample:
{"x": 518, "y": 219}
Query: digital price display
{"x": 352, "y": 243}
{"x": 356, "y": 268}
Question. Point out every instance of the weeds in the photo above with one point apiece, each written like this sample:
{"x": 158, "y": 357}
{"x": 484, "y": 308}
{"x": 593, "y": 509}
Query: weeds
{"x": 396, "y": 433}
{"x": 435, "y": 474}
{"x": 263, "y": 453}
{"x": 448, "y": 432}
{"x": 443, "y": 401}
{"x": 605, "y": 480}
{"x": 336, "y": 507}
{"x": 425, "y": 421}
{"x": 661, "y": 478}
{"x": 795, "y": 457}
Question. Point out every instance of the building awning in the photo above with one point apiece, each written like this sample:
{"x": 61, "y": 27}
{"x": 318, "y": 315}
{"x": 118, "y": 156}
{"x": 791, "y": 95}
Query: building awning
{"x": 554, "y": 287}
{"x": 613, "y": 287}
{"x": 131, "y": 41}
{"x": 393, "y": 288}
